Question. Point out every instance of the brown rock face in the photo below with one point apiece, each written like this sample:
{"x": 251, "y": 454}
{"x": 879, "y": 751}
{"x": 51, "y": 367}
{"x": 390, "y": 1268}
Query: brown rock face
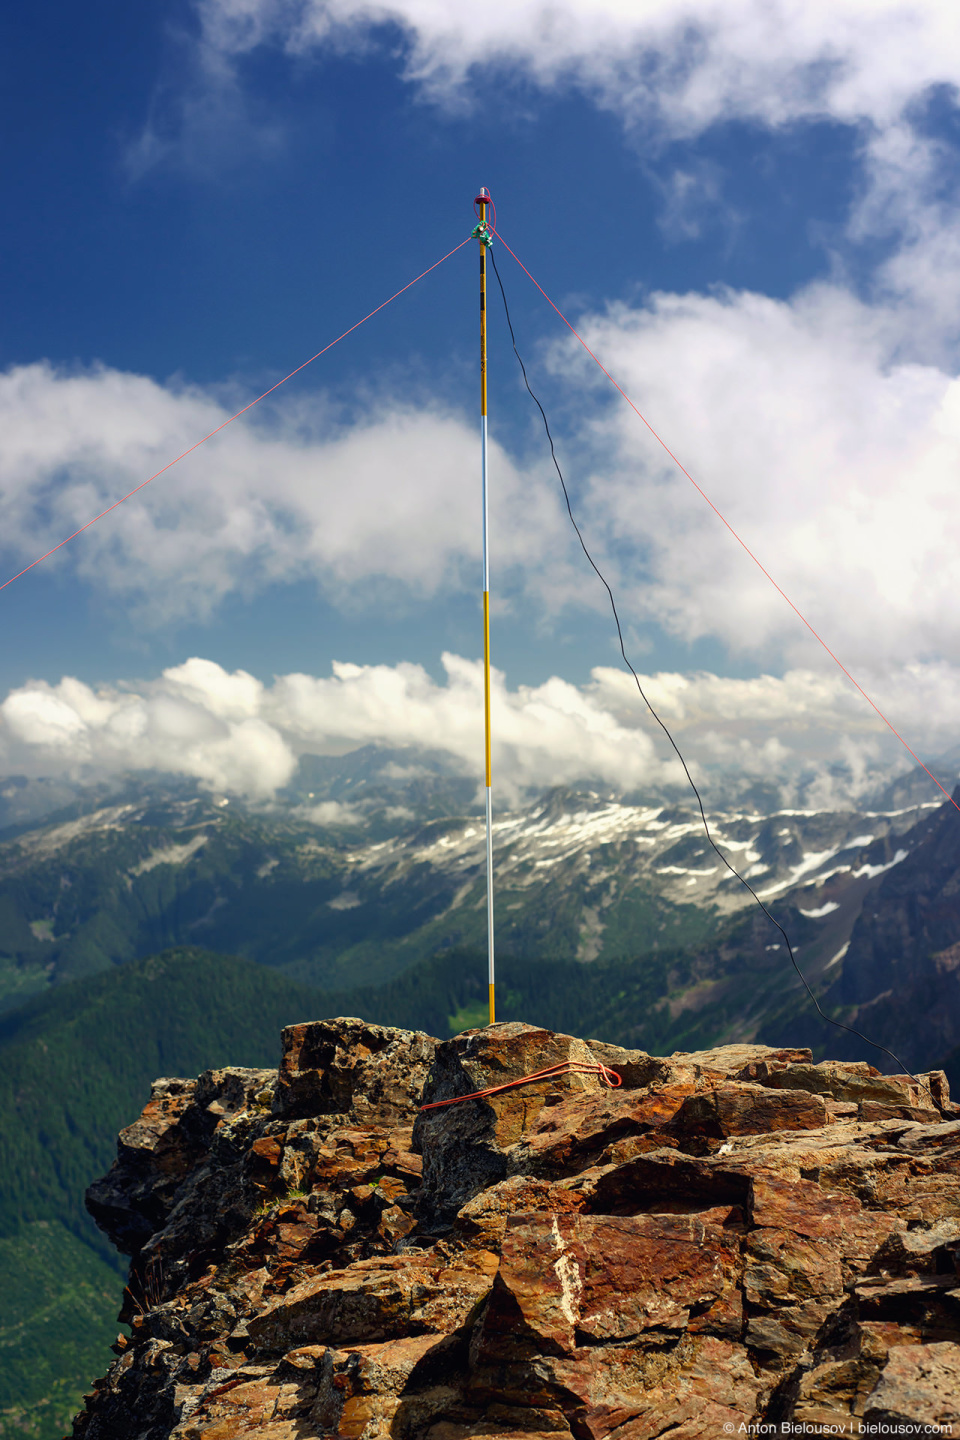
{"x": 737, "y": 1238}
{"x": 346, "y": 1067}
{"x": 467, "y": 1147}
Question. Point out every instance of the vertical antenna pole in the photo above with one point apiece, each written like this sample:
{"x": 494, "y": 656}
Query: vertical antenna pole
{"x": 483, "y": 235}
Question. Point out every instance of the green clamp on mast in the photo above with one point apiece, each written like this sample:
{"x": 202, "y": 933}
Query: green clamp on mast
{"x": 481, "y": 232}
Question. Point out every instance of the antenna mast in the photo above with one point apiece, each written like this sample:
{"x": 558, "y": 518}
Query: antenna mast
{"x": 482, "y": 233}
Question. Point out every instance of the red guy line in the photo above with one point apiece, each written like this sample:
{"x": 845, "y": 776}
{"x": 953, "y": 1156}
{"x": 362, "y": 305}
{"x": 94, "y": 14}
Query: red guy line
{"x": 611, "y": 1078}
{"x": 170, "y": 464}
{"x": 720, "y": 516}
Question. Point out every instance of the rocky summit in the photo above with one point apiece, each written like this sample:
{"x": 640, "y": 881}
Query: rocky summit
{"x": 733, "y": 1241}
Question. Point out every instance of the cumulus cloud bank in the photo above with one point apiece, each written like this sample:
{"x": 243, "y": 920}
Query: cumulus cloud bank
{"x": 231, "y": 732}
{"x": 390, "y": 496}
{"x": 831, "y": 453}
{"x": 834, "y": 459}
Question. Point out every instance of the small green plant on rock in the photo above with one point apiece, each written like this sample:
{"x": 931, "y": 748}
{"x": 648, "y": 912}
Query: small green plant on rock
{"x": 273, "y": 1202}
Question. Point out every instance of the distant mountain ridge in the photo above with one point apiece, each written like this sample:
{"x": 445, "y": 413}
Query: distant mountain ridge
{"x": 900, "y": 977}
{"x": 374, "y": 860}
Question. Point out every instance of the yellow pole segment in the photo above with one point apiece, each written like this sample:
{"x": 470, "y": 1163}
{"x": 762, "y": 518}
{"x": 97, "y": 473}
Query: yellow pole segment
{"x": 482, "y": 201}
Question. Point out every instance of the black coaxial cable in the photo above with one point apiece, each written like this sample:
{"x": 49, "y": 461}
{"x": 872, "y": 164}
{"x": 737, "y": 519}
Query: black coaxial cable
{"x": 676, "y": 749}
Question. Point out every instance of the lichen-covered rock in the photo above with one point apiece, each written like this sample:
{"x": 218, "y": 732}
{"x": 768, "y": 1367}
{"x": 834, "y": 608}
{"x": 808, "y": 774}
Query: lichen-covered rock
{"x": 347, "y": 1067}
{"x": 731, "y": 1238}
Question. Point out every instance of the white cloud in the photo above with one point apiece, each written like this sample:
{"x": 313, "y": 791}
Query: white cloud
{"x": 331, "y": 812}
{"x": 543, "y": 735}
{"x": 230, "y": 732}
{"x": 689, "y": 63}
{"x": 670, "y": 69}
{"x": 176, "y": 726}
{"x": 808, "y": 734}
{"x": 771, "y": 725}
{"x": 834, "y": 460}
{"x": 391, "y": 498}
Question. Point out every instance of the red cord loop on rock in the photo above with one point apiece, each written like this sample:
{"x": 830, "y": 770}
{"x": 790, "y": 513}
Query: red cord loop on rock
{"x": 565, "y": 1067}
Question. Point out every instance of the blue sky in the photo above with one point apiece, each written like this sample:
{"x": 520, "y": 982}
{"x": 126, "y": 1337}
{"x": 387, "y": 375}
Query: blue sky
{"x": 749, "y": 209}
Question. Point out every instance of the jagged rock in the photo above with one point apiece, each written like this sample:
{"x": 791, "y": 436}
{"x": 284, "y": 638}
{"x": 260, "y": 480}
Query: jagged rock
{"x": 161, "y": 1149}
{"x": 465, "y": 1146}
{"x": 733, "y": 1109}
{"x": 372, "y": 1072}
{"x": 636, "y": 1068}
{"x": 847, "y": 1080}
{"x": 922, "y": 1252}
{"x": 731, "y": 1238}
{"x": 928, "y": 1137}
{"x": 921, "y": 1384}
{"x": 728, "y": 1060}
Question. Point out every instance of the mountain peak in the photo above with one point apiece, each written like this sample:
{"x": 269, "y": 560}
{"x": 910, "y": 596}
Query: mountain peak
{"x": 356, "y": 1244}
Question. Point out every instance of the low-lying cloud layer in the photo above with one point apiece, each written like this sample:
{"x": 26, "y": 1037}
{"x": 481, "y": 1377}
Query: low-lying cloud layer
{"x": 231, "y": 732}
